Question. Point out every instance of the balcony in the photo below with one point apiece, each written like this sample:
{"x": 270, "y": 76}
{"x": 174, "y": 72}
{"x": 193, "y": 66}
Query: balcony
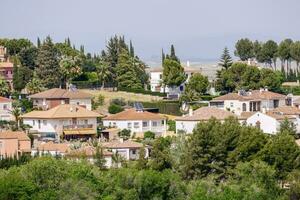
{"x": 78, "y": 126}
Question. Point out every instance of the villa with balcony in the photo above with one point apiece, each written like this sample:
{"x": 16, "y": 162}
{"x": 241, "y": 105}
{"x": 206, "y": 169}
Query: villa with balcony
{"x": 64, "y": 121}
{"x": 137, "y": 121}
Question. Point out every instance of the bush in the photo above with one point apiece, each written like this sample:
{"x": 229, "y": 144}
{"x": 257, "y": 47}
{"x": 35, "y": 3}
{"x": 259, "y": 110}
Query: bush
{"x": 125, "y": 134}
{"x": 113, "y": 109}
{"x": 142, "y": 91}
{"x": 149, "y": 135}
{"x": 171, "y": 125}
{"x": 98, "y": 101}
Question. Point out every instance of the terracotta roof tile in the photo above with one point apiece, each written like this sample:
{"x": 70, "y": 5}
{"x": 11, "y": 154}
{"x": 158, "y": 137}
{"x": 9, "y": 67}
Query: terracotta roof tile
{"x": 62, "y": 111}
{"x": 132, "y": 114}
{"x": 87, "y": 151}
{"x": 6, "y": 65}
{"x": 4, "y": 100}
{"x": 51, "y": 146}
{"x": 287, "y": 110}
{"x": 14, "y": 135}
{"x": 57, "y": 93}
{"x": 205, "y": 113}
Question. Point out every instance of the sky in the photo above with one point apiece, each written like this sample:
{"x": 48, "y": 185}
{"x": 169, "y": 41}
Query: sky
{"x": 199, "y": 29}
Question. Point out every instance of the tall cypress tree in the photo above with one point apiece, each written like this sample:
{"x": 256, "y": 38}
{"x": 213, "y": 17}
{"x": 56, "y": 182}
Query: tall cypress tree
{"x": 38, "y": 42}
{"x": 163, "y": 56}
{"x": 173, "y": 54}
{"x": 131, "y": 49}
{"x": 48, "y": 64}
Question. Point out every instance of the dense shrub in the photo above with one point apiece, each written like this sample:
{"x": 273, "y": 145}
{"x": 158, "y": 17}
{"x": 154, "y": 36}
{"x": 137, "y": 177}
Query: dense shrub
{"x": 113, "y": 109}
{"x": 149, "y": 135}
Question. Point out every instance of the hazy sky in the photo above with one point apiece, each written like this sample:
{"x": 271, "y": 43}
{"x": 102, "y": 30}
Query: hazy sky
{"x": 198, "y": 28}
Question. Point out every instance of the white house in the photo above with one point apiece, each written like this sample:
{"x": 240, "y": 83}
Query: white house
{"x": 251, "y": 101}
{"x": 50, "y": 98}
{"x": 128, "y": 149}
{"x": 51, "y": 148}
{"x": 269, "y": 122}
{"x": 156, "y": 80}
{"x": 137, "y": 121}
{"x": 5, "y": 109}
{"x": 63, "y": 121}
{"x": 188, "y": 122}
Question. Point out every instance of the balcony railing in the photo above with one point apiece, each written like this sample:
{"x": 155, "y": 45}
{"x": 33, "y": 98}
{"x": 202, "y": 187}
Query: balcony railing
{"x": 78, "y": 126}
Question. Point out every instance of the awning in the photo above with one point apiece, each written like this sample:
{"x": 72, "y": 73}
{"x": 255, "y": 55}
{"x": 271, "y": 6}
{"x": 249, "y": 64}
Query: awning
{"x": 80, "y": 132}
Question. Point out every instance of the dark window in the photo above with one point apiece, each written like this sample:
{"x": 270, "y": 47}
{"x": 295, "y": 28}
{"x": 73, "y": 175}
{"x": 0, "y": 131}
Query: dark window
{"x": 276, "y": 103}
{"x": 244, "y": 107}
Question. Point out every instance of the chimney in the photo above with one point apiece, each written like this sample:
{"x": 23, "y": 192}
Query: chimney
{"x": 187, "y": 63}
{"x": 121, "y": 140}
{"x": 261, "y": 90}
{"x": 190, "y": 111}
{"x": 264, "y": 110}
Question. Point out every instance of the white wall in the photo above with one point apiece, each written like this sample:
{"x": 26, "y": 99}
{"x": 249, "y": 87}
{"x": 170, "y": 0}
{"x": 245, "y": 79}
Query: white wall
{"x": 124, "y": 124}
{"x": 267, "y": 124}
{"x": 186, "y": 126}
{"x": 84, "y": 102}
{"x": 5, "y": 113}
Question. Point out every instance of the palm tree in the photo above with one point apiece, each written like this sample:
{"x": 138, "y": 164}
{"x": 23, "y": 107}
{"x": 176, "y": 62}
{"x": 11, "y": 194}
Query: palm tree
{"x": 4, "y": 88}
{"x": 70, "y": 68}
{"x": 117, "y": 159}
{"x": 34, "y": 86}
{"x": 16, "y": 112}
{"x": 103, "y": 72}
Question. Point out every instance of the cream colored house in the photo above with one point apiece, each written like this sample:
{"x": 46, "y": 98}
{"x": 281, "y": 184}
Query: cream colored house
{"x": 251, "y": 101}
{"x": 5, "y": 109}
{"x": 63, "y": 121}
{"x": 188, "y": 122}
{"x": 137, "y": 121}
{"x": 50, "y": 98}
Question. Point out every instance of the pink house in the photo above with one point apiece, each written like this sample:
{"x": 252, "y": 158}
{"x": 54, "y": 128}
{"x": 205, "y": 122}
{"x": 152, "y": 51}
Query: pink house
{"x": 14, "y": 144}
{"x": 6, "y": 71}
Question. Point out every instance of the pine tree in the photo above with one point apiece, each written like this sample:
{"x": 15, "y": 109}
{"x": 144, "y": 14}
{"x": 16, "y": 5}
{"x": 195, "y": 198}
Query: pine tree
{"x": 163, "y": 56}
{"x": 48, "y": 64}
{"x": 142, "y": 161}
{"x": 99, "y": 158}
{"x": 225, "y": 60}
{"x": 68, "y": 42}
{"x": 81, "y": 49}
{"x": 173, "y": 73}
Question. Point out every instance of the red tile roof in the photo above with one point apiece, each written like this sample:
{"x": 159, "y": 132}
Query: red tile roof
{"x": 58, "y": 93}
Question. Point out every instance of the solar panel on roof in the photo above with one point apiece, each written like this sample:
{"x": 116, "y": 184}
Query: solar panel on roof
{"x": 138, "y": 106}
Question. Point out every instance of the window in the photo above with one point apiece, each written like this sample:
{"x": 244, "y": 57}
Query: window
{"x": 33, "y": 122}
{"x": 85, "y": 121}
{"x": 133, "y": 152}
{"x": 114, "y": 124}
{"x": 1, "y": 144}
{"x": 276, "y": 103}
{"x": 39, "y": 124}
{"x": 45, "y": 122}
{"x": 231, "y": 104}
{"x": 129, "y": 125}
{"x": 162, "y": 122}
{"x": 4, "y": 106}
{"x": 154, "y": 123}
{"x": 244, "y": 107}
{"x": 145, "y": 124}
{"x": 136, "y": 125}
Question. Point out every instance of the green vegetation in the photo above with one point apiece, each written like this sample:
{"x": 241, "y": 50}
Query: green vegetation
{"x": 114, "y": 109}
{"x": 165, "y": 107}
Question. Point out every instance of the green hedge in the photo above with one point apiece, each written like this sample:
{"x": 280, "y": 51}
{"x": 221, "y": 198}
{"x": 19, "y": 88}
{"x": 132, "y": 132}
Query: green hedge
{"x": 170, "y": 108}
{"x": 295, "y": 90}
{"x": 142, "y": 91}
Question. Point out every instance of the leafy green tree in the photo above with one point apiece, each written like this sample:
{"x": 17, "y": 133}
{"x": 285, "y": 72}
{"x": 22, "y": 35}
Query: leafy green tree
{"x": 142, "y": 161}
{"x": 198, "y": 83}
{"x": 97, "y": 101}
{"x": 173, "y": 54}
{"x": 269, "y": 52}
{"x": 14, "y": 46}
{"x": 28, "y": 57}
{"x": 282, "y": 153}
{"x": 226, "y": 60}
{"x": 288, "y": 127}
{"x": 294, "y": 181}
{"x": 160, "y": 154}
{"x": 127, "y": 76}
{"x": 99, "y": 158}
{"x": 295, "y": 54}
{"x": 244, "y": 49}
{"x": 250, "y": 78}
{"x": 70, "y": 68}
{"x": 189, "y": 95}
{"x": 125, "y": 134}
{"x": 173, "y": 73}
{"x": 271, "y": 79}
{"x": 149, "y": 135}
{"x": 48, "y": 64}
{"x": 284, "y": 52}
{"x": 21, "y": 75}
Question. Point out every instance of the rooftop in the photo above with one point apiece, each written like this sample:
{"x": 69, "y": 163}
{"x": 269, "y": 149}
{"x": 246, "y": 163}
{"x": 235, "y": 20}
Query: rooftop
{"x": 4, "y": 100}
{"x": 14, "y": 135}
{"x": 120, "y": 144}
{"x": 58, "y": 93}
{"x": 261, "y": 94}
{"x": 205, "y": 113}
{"x": 51, "y": 146}
{"x": 62, "y": 111}
{"x": 132, "y": 114}
{"x": 287, "y": 110}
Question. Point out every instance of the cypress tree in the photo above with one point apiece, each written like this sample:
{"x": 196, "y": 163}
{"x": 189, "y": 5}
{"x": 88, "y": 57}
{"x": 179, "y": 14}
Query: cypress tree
{"x": 131, "y": 49}
{"x": 173, "y": 54}
{"x": 38, "y": 42}
{"x": 163, "y": 56}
